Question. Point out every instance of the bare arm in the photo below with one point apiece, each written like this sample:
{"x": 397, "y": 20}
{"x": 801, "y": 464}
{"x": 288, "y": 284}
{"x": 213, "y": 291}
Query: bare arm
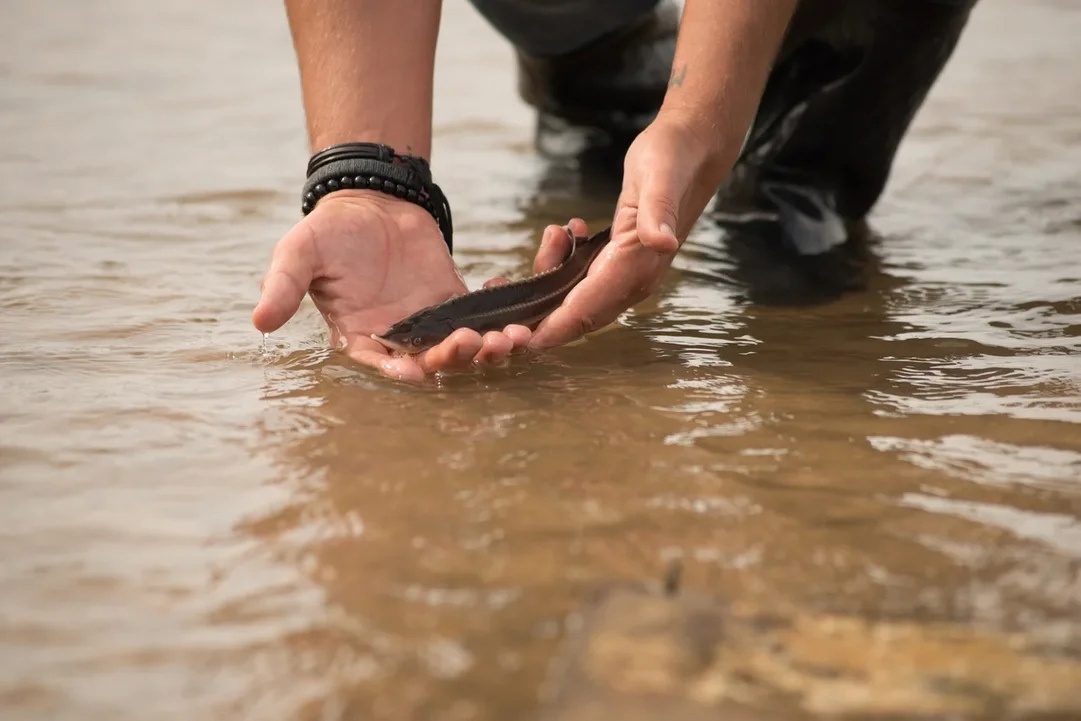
{"x": 724, "y": 54}
{"x": 368, "y": 259}
{"x": 366, "y": 70}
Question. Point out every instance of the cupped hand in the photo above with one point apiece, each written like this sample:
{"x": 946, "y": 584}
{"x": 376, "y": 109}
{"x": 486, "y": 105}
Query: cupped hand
{"x": 367, "y": 261}
{"x": 670, "y": 172}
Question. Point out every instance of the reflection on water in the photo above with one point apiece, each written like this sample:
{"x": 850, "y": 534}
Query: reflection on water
{"x": 196, "y": 527}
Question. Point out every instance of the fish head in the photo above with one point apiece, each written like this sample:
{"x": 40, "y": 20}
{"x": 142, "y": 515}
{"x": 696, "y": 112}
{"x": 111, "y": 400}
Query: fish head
{"x": 414, "y": 335}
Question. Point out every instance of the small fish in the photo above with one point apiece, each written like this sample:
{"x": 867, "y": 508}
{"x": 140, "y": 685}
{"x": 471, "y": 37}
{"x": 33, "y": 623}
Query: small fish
{"x": 524, "y": 302}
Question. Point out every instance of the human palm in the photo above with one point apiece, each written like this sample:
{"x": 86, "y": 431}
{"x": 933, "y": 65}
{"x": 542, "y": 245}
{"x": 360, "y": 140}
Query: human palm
{"x": 367, "y": 261}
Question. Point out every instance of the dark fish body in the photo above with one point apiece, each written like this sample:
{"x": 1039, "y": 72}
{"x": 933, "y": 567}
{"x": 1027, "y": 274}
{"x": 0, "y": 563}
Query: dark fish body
{"x": 524, "y": 302}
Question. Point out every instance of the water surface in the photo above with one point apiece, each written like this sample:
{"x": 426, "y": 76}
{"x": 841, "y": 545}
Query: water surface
{"x": 195, "y": 528}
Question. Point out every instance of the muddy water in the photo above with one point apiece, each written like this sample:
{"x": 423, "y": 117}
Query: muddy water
{"x": 193, "y": 527}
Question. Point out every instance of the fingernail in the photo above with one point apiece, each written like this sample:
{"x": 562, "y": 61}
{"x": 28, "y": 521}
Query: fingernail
{"x": 666, "y": 228}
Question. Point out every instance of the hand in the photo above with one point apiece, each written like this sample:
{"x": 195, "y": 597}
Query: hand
{"x": 369, "y": 260}
{"x": 670, "y": 172}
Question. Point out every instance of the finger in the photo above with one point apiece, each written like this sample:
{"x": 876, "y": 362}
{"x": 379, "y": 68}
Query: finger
{"x": 556, "y": 244}
{"x": 371, "y": 354}
{"x": 495, "y": 348}
{"x": 595, "y": 303}
{"x": 292, "y": 269}
{"x": 565, "y": 325}
{"x": 519, "y": 335}
{"x": 578, "y": 227}
{"x": 658, "y": 204}
{"x": 454, "y": 353}
{"x": 554, "y": 247}
{"x": 498, "y": 280}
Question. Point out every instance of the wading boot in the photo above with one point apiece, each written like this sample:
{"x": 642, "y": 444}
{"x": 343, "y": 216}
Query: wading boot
{"x": 840, "y": 99}
{"x": 599, "y": 97}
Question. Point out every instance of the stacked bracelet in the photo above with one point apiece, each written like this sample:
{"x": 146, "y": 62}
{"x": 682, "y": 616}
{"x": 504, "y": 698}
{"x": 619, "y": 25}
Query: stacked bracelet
{"x": 370, "y": 166}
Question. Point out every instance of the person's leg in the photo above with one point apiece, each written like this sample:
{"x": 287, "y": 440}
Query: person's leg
{"x": 549, "y": 28}
{"x": 845, "y": 88}
{"x": 598, "y": 65}
{"x": 822, "y": 156}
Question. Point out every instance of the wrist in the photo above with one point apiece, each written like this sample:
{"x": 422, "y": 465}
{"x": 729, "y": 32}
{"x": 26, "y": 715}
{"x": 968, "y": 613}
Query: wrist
{"x": 712, "y": 142}
{"x": 351, "y": 197}
{"x": 407, "y": 138}
{"x": 370, "y": 215}
{"x": 379, "y": 170}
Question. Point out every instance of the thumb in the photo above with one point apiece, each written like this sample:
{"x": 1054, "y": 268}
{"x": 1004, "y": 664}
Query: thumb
{"x": 291, "y": 272}
{"x": 658, "y": 215}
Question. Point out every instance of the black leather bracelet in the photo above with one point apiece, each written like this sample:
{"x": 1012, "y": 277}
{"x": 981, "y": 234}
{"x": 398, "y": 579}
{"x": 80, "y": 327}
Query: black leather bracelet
{"x": 371, "y": 166}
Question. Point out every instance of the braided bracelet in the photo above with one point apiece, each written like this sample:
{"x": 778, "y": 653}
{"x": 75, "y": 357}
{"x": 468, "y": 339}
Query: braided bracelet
{"x": 371, "y": 166}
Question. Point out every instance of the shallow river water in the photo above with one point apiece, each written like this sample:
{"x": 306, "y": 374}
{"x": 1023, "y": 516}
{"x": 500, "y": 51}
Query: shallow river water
{"x": 195, "y": 527}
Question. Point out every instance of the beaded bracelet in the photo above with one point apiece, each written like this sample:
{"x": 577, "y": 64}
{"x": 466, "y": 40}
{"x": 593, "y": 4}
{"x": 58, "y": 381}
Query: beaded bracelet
{"x": 371, "y": 166}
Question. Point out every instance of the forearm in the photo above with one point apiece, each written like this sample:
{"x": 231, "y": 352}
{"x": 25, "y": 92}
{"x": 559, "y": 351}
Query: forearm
{"x": 723, "y": 57}
{"x": 366, "y": 70}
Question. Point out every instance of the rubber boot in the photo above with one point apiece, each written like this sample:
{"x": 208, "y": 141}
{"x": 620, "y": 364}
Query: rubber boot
{"x": 602, "y": 95}
{"x": 820, "y": 157}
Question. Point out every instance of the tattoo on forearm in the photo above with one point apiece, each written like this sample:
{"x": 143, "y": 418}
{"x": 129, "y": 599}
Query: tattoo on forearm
{"x": 677, "y": 76}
